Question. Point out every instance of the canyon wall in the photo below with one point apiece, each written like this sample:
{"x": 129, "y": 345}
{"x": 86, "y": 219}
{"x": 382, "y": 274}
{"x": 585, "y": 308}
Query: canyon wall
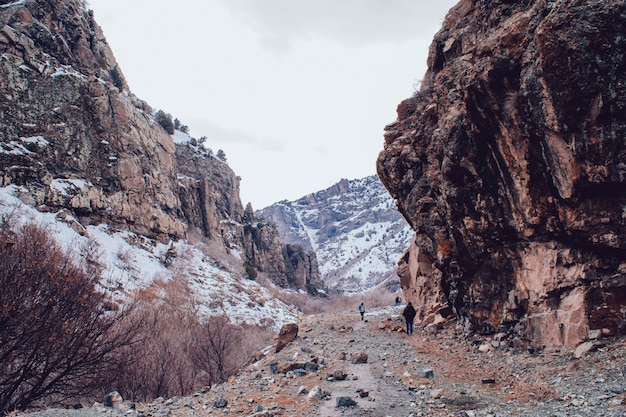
{"x": 510, "y": 165}
{"x": 76, "y": 141}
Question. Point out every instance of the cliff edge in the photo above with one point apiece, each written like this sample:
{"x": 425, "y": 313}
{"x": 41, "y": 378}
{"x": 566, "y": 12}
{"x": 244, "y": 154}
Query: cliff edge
{"x": 510, "y": 165}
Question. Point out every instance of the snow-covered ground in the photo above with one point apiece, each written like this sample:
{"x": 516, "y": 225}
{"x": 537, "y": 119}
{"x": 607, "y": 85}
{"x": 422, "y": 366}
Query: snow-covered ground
{"x": 132, "y": 262}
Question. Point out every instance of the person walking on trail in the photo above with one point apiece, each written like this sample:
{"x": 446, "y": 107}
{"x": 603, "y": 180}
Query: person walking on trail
{"x": 362, "y": 310}
{"x": 409, "y": 315}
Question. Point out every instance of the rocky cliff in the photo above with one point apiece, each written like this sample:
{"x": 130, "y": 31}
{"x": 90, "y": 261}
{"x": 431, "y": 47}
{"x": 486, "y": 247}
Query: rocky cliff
{"x": 353, "y": 227}
{"x": 510, "y": 165}
{"x": 77, "y": 140}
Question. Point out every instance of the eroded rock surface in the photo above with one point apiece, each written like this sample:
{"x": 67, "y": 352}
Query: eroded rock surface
{"x": 510, "y": 165}
{"x": 76, "y": 141}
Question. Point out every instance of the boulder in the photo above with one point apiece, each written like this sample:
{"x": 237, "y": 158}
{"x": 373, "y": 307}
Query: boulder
{"x": 113, "y": 399}
{"x": 287, "y": 334}
{"x": 359, "y": 357}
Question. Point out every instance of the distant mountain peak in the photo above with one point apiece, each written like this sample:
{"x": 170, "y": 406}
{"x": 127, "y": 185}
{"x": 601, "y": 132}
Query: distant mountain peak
{"x": 354, "y": 228}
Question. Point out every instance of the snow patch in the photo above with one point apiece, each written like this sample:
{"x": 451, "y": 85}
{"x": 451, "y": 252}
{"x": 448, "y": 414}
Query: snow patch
{"x": 62, "y": 186}
{"x": 67, "y": 70}
{"x": 39, "y": 140}
{"x": 181, "y": 138}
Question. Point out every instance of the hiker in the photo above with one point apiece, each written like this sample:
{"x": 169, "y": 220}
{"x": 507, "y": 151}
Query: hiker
{"x": 409, "y": 315}
{"x": 362, "y": 310}
{"x": 398, "y": 301}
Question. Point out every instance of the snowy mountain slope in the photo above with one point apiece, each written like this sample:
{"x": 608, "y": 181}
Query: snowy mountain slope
{"x": 354, "y": 228}
{"x": 131, "y": 262}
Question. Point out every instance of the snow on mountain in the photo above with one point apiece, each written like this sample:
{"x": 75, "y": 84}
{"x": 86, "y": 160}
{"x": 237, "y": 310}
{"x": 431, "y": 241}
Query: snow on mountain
{"x": 131, "y": 262}
{"x": 354, "y": 228}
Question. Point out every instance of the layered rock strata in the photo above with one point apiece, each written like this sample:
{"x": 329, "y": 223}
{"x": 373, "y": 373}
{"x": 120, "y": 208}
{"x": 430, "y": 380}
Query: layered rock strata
{"x": 510, "y": 165}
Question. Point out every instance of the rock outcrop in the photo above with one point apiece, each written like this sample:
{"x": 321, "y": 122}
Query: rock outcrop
{"x": 78, "y": 142}
{"x": 510, "y": 165}
{"x": 71, "y": 133}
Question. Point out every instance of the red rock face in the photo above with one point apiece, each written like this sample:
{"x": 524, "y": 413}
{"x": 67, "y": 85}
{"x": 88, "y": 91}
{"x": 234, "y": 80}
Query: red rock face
{"x": 510, "y": 164}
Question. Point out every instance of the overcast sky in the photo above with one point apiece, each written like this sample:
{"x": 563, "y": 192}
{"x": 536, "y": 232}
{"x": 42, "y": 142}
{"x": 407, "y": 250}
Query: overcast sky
{"x": 296, "y": 92}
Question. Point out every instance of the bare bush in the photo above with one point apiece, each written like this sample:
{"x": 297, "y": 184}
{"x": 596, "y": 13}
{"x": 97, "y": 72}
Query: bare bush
{"x": 57, "y": 339}
{"x": 215, "y": 347}
{"x": 181, "y": 351}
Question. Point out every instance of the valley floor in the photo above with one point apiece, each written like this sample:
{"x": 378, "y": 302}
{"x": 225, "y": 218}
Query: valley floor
{"x": 429, "y": 373}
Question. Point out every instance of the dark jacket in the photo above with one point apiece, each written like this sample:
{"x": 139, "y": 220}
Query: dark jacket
{"x": 409, "y": 312}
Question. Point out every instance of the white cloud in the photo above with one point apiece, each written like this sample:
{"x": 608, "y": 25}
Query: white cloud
{"x": 296, "y": 92}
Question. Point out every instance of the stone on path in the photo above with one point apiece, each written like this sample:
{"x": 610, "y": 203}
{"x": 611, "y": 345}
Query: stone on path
{"x": 359, "y": 357}
{"x": 425, "y": 372}
{"x": 345, "y": 402}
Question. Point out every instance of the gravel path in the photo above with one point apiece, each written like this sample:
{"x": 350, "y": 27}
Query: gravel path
{"x": 437, "y": 373}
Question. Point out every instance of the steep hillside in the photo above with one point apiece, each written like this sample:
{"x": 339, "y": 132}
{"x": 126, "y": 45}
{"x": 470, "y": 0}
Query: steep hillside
{"x": 353, "y": 227}
{"x": 510, "y": 164}
{"x": 131, "y": 262}
{"x": 76, "y": 143}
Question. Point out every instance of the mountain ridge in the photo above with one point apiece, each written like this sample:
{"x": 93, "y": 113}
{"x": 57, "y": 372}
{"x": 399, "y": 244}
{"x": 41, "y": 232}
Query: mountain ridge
{"x": 354, "y": 228}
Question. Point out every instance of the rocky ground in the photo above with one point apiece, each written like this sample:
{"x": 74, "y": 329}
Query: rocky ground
{"x": 341, "y": 366}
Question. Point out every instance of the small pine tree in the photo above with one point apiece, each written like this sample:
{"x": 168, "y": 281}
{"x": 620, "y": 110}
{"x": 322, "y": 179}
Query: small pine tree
{"x": 221, "y": 155}
{"x": 165, "y": 120}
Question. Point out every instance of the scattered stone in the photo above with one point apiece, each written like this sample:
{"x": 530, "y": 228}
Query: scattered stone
{"x": 583, "y": 349}
{"x": 287, "y": 334}
{"x": 485, "y": 347}
{"x": 594, "y": 334}
{"x": 283, "y": 368}
{"x": 302, "y": 390}
{"x": 220, "y": 403}
{"x": 359, "y": 357}
{"x": 311, "y": 367}
{"x": 425, "y": 372}
{"x": 468, "y": 413}
{"x": 317, "y": 393}
{"x": 274, "y": 367}
{"x": 617, "y": 390}
{"x": 337, "y": 376}
{"x": 345, "y": 402}
{"x": 436, "y": 393}
{"x": 488, "y": 381}
{"x": 296, "y": 373}
{"x": 363, "y": 393}
{"x": 113, "y": 399}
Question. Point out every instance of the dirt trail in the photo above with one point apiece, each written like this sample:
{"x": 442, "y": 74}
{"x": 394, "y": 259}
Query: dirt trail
{"x": 466, "y": 381}
{"x": 366, "y": 377}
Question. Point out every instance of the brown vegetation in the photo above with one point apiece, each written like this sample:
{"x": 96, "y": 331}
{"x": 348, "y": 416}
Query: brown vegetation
{"x": 63, "y": 340}
{"x": 57, "y": 339}
{"x": 182, "y": 350}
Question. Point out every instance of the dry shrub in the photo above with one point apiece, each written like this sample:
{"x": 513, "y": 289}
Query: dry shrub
{"x": 58, "y": 339}
{"x": 181, "y": 351}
